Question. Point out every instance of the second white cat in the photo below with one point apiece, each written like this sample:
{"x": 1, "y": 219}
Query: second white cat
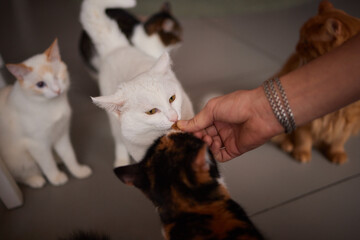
{"x": 35, "y": 119}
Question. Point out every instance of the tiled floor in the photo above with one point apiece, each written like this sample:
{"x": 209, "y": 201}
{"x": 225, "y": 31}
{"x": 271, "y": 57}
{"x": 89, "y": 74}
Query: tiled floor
{"x": 286, "y": 200}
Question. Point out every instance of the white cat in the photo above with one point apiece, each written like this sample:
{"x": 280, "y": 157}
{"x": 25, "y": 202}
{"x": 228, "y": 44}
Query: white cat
{"x": 35, "y": 119}
{"x": 141, "y": 93}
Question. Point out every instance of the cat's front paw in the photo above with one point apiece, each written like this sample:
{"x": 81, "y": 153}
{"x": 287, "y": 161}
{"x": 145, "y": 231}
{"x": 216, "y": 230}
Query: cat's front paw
{"x": 302, "y": 156}
{"x": 337, "y": 157}
{"x": 82, "y": 171}
{"x": 36, "y": 181}
{"x": 287, "y": 146}
{"x": 58, "y": 178}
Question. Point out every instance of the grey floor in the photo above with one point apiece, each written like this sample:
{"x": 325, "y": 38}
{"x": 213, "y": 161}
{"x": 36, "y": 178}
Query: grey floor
{"x": 222, "y": 53}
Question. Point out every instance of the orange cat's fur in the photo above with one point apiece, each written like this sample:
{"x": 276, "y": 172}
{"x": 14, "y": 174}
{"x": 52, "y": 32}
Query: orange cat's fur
{"x": 319, "y": 35}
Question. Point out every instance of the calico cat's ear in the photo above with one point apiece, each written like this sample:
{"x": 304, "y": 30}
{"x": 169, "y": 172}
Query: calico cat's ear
{"x": 110, "y": 103}
{"x": 53, "y": 52}
{"x": 19, "y": 70}
{"x": 130, "y": 174}
{"x": 202, "y": 161}
{"x": 333, "y": 27}
{"x": 325, "y": 6}
{"x": 162, "y": 65}
{"x": 166, "y": 7}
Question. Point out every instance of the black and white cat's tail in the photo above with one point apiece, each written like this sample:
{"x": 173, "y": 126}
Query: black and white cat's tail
{"x": 103, "y": 31}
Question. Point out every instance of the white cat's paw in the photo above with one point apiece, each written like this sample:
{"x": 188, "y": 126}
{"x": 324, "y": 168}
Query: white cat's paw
{"x": 82, "y": 171}
{"x": 36, "y": 181}
{"x": 58, "y": 179}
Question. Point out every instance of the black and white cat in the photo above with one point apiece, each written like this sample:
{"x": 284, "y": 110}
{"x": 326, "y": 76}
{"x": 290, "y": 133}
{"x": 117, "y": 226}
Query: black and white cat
{"x": 160, "y": 32}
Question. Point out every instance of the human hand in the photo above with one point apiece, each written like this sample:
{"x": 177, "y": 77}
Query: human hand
{"x": 234, "y": 123}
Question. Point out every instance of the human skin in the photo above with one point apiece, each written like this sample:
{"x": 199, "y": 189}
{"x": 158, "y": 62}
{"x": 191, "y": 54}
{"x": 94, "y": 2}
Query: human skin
{"x": 243, "y": 120}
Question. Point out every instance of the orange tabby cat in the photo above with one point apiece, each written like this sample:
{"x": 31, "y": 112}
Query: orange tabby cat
{"x": 319, "y": 35}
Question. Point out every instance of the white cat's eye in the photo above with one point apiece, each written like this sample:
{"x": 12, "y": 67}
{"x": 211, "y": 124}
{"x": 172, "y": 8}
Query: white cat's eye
{"x": 41, "y": 84}
{"x": 173, "y": 97}
{"x": 152, "y": 111}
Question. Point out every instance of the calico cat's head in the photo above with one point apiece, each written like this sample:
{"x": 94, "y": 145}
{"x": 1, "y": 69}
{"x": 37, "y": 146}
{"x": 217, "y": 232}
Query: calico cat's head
{"x": 327, "y": 30}
{"x": 177, "y": 166}
{"x": 148, "y": 105}
{"x": 43, "y": 75}
{"x": 165, "y": 25}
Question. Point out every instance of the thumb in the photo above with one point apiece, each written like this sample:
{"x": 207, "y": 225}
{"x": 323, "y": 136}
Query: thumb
{"x": 200, "y": 121}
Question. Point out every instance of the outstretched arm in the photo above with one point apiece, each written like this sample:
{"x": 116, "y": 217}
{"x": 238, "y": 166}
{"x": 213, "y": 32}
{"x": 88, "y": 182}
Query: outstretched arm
{"x": 243, "y": 120}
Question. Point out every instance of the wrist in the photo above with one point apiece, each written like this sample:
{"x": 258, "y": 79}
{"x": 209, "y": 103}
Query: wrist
{"x": 264, "y": 112}
{"x": 277, "y": 98}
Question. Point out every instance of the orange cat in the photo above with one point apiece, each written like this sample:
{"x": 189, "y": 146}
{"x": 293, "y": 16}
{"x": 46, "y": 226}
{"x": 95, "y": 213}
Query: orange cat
{"x": 319, "y": 35}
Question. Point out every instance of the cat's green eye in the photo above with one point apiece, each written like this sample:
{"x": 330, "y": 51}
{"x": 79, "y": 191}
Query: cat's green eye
{"x": 172, "y": 98}
{"x": 152, "y": 111}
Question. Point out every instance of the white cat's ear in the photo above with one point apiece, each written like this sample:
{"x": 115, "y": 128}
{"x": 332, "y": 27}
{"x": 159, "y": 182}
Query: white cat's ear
{"x": 53, "y": 52}
{"x": 19, "y": 70}
{"x": 109, "y": 103}
{"x": 162, "y": 65}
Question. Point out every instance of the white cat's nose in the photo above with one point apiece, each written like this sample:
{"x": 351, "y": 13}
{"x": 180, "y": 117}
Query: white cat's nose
{"x": 56, "y": 89}
{"x": 173, "y": 117}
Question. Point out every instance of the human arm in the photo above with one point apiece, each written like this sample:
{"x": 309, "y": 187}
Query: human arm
{"x": 243, "y": 120}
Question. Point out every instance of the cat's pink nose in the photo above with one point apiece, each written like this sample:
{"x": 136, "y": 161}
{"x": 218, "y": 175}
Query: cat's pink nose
{"x": 173, "y": 117}
{"x": 57, "y": 90}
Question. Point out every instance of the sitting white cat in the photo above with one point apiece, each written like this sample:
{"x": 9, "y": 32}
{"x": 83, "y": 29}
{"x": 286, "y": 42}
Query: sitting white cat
{"x": 141, "y": 93}
{"x": 35, "y": 119}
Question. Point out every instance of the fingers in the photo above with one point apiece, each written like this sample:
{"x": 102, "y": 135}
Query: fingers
{"x": 216, "y": 146}
{"x": 202, "y": 120}
{"x": 195, "y": 124}
{"x": 208, "y": 140}
{"x": 208, "y": 134}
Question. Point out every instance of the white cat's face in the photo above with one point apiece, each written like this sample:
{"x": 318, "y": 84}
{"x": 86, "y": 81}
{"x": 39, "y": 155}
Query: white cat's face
{"x": 154, "y": 106}
{"x": 149, "y": 104}
{"x": 44, "y": 75}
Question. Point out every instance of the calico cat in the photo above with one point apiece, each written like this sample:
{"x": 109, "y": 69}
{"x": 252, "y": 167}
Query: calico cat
{"x": 141, "y": 94}
{"x": 35, "y": 119}
{"x": 319, "y": 35}
{"x": 160, "y": 32}
{"x": 180, "y": 176}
